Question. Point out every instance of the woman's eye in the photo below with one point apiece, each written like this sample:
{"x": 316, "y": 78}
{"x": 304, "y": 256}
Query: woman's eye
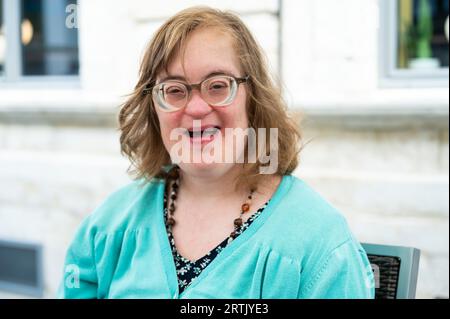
{"x": 174, "y": 91}
{"x": 217, "y": 86}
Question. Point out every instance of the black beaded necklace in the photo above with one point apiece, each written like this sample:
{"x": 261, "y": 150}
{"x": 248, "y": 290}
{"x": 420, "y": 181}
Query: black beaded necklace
{"x": 174, "y": 184}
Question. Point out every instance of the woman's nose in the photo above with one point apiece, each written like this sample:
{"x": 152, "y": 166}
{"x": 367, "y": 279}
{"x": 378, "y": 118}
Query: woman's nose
{"x": 197, "y": 107}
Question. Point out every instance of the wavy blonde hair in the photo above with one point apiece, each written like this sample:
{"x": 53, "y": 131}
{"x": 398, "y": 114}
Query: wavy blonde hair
{"x": 141, "y": 139}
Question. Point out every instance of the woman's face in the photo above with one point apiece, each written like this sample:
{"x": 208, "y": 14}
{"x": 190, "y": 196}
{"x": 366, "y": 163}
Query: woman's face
{"x": 207, "y": 51}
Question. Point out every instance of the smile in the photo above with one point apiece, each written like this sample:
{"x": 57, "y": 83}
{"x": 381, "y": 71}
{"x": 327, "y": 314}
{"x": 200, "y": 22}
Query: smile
{"x": 203, "y": 136}
{"x": 203, "y": 133}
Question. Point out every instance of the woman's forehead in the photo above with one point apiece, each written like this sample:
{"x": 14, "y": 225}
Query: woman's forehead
{"x": 181, "y": 77}
{"x": 205, "y": 52}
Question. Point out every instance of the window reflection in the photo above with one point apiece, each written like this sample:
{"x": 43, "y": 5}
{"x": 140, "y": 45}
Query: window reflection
{"x": 2, "y": 40}
{"x": 422, "y": 41}
{"x": 48, "y": 46}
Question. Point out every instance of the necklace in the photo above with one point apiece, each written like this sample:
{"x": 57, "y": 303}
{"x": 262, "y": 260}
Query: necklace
{"x": 174, "y": 183}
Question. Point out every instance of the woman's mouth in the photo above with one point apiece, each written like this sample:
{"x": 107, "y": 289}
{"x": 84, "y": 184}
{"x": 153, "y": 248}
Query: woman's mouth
{"x": 203, "y": 136}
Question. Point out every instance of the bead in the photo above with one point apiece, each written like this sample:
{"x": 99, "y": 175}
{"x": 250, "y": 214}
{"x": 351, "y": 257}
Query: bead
{"x": 173, "y": 196}
{"x": 233, "y": 234}
{"x": 245, "y": 207}
{"x": 175, "y": 186}
{"x": 238, "y": 222}
{"x": 173, "y": 174}
{"x": 171, "y": 221}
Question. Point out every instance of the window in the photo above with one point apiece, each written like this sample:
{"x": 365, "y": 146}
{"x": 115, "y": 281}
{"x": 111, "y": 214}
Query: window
{"x": 49, "y": 47}
{"x": 37, "y": 42}
{"x": 413, "y": 44}
{"x": 2, "y": 41}
{"x": 21, "y": 268}
{"x": 421, "y": 41}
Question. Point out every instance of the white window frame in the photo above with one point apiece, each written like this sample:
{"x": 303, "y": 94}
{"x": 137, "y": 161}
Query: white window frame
{"x": 12, "y": 76}
{"x": 390, "y": 75}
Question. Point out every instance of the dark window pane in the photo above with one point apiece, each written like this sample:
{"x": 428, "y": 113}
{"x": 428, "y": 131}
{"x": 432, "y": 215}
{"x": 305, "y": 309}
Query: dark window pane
{"x": 2, "y": 40}
{"x": 49, "y": 47}
{"x": 18, "y": 265}
{"x": 422, "y": 41}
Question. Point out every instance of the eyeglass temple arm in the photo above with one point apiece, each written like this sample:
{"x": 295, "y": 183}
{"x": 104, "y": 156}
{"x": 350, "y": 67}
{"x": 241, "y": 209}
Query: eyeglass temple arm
{"x": 242, "y": 80}
{"x": 147, "y": 89}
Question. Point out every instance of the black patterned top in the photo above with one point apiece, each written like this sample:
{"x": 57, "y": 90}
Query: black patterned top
{"x": 188, "y": 270}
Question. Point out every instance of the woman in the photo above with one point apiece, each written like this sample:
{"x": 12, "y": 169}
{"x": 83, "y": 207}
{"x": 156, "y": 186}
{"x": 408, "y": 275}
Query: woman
{"x": 212, "y": 229}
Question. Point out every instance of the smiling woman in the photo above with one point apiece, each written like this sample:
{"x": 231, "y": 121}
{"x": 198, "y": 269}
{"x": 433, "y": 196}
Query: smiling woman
{"x": 237, "y": 232}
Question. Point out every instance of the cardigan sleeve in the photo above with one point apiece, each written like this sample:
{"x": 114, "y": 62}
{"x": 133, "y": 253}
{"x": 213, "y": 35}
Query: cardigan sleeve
{"x": 80, "y": 276}
{"x": 345, "y": 273}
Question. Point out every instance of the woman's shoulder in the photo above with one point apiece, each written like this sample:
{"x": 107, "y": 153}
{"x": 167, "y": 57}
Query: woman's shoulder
{"x": 306, "y": 218}
{"x": 305, "y": 205}
{"x": 128, "y": 207}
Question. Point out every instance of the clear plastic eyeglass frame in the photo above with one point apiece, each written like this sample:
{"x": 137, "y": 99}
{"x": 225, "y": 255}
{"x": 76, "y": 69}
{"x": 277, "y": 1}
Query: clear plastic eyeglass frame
{"x": 158, "y": 92}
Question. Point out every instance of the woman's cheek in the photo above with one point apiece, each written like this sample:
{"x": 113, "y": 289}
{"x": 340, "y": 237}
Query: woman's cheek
{"x": 165, "y": 135}
{"x": 171, "y": 129}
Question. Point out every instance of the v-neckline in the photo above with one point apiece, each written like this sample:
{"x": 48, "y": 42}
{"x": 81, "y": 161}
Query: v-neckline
{"x": 166, "y": 250}
{"x": 198, "y": 260}
{"x": 242, "y": 228}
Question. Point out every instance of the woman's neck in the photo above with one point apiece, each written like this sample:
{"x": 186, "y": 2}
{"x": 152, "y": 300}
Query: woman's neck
{"x": 211, "y": 187}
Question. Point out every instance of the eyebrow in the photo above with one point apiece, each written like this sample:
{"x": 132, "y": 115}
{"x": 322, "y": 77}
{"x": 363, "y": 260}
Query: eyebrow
{"x": 182, "y": 78}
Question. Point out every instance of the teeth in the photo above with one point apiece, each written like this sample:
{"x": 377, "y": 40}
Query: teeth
{"x": 196, "y": 134}
{"x": 210, "y": 131}
{"x": 205, "y": 133}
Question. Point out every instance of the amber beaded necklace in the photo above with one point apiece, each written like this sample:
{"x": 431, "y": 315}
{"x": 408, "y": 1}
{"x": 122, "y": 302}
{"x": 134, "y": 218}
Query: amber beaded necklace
{"x": 174, "y": 183}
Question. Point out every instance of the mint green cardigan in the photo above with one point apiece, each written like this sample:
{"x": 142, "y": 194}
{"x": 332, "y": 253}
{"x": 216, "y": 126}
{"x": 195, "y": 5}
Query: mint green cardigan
{"x": 299, "y": 247}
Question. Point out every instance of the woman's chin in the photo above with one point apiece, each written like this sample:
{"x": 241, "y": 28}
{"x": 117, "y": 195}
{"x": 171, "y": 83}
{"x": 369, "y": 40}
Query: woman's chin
{"x": 206, "y": 167}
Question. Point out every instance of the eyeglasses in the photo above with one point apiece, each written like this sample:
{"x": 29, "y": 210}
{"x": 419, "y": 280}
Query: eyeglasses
{"x": 173, "y": 95}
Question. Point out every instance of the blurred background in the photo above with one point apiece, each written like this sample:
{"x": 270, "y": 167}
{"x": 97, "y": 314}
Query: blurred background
{"x": 370, "y": 78}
